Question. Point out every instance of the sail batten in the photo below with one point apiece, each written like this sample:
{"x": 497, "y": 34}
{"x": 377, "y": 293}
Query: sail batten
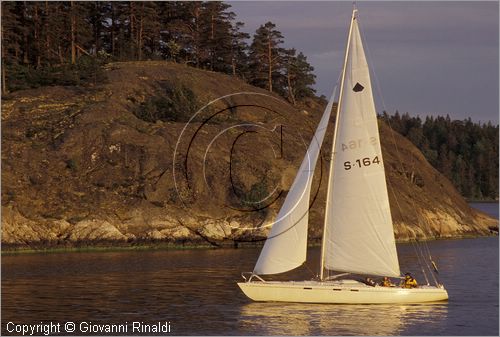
{"x": 358, "y": 235}
{"x": 286, "y": 244}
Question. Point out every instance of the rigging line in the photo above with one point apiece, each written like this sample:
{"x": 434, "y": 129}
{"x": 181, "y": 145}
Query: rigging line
{"x": 424, "y": 249}
{"x": 413, "y": 244}
{"x": 398, "y": 154}
{"x": 335, "y": 130}
{"x": 433, "y": 275}
{"x": 379, "y": 90}
{"x": 429, "y": 230}
{"x": 395, "y": 198}
{"x": 430, "y": 264}
{"x": 310, "y": 270}
{"x": 411, "y": 241}
{"x": 422, "y": 256}
{"x": 334, "y": 97}
{"x": 419, "y": 258}
{"x": 434, "y": 270}
{"x": 430, "y": 258}
{"x": 429, "y": 267}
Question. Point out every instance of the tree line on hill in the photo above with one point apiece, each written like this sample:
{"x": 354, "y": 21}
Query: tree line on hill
{"x": 464, "y": 151}
{"x": 65, "y": 42}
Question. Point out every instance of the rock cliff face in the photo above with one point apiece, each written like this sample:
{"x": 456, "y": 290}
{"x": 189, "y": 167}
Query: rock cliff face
{"x": 88, "y": 166}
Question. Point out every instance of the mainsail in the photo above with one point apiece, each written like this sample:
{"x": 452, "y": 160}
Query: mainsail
{"x": 286, "y": 245}
{"x": 359, "y": 235}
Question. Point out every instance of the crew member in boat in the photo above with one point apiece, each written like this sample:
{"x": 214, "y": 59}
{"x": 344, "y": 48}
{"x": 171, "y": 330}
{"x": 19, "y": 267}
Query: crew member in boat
{"x": 386, "y": 282}
{"x": 409, "y": 281}
{"x": 370, "y": 282}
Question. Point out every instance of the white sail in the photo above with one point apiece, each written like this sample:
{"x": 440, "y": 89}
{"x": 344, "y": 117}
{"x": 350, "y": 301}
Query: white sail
{"x": 286, "y": 245}
{"x": 359, "y": 235}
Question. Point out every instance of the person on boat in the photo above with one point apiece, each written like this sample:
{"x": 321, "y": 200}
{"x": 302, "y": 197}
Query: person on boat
{"x": 370, "y": 282}
{"x": 409, "y": 281}
{"x": 386, "y": 282}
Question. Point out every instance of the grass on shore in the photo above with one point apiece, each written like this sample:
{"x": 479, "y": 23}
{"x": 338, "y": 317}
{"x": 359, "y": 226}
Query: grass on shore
{"x": 174, "y": 246}
{"x": 110, "y": 248}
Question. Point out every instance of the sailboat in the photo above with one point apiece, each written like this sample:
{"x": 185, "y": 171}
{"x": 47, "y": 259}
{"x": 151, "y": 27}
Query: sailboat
{"x": 358, "y": 234}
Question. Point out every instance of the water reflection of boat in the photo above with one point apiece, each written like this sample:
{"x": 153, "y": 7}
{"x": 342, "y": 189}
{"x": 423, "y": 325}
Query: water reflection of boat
{"x": 325, "y": 319}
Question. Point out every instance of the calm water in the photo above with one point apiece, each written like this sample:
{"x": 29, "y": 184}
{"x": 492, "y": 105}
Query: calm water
{"x": 490, "y": 208}
{"x": 195, "y": 290}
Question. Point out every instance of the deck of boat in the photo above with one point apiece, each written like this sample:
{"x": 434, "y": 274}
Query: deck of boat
{"x": 345, "y": 291}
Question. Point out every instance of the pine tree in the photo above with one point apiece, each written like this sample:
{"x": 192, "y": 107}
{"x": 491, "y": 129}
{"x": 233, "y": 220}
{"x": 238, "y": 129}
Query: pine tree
{"x": 79, "y": 30}
{"x": 99, "y": 22}
{"x": 181, "y": 30}
{"x": 216, "y": 38}
{"x": 299, "y": 76}
{"x": 170, "y": 14}
{"x": 57, "y": 22}
{"x": 10, "y": 38}
{"x": 37, "y": 28}
{"x": 266, "y": 57}
{"x": 148, "y": 30}
{"x": 239, "y": 49}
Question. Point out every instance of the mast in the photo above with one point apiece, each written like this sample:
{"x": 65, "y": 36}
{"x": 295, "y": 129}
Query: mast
{"x": 330, "y": 175}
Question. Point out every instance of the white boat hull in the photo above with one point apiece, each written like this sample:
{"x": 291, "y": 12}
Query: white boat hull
{"x": 351, "y": 292}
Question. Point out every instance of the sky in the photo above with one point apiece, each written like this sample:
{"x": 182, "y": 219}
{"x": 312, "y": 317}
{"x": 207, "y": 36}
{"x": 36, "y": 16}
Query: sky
{"x": 426, "y": 57}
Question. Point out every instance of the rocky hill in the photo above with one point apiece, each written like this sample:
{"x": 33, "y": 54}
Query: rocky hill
{"x": 133, "y": 160}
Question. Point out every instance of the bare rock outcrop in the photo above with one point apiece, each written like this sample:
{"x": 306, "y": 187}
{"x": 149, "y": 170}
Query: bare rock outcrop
{"x": 88, "y": 166}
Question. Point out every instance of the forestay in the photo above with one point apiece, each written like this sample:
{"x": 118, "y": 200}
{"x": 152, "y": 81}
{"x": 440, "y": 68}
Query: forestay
{"x": 358, "y": 232}
{"x": 286, "y": 245}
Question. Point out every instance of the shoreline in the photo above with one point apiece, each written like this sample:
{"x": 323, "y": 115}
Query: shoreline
{"x": 152, "y": 246}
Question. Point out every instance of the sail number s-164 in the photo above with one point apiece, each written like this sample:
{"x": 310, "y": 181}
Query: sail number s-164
{"x": 361, "y": 163}
{"x": 358, "y": 143}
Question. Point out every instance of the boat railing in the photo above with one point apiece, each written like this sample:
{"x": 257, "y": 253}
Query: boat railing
{"x": 250, "y": 276}
{"x": 333, "y": 277}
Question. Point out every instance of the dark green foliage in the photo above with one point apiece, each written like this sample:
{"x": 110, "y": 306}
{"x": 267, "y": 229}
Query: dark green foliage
{"x": 256, "y": 197}
{"x": 239, "y": 51}
{"x": 71, "y": 164}
{"x": 60, "y": 42}
{"x": 465, "y": 152}
{"x": 253, "y": 198}
{"x": 299, "y": 76}
{"x": 216, "y": 36}
{"x": 266, "y": 56}
{"x": 88, "y": 70}
{"x": 178, "y": 104}
{"x": 39, "y": 39}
